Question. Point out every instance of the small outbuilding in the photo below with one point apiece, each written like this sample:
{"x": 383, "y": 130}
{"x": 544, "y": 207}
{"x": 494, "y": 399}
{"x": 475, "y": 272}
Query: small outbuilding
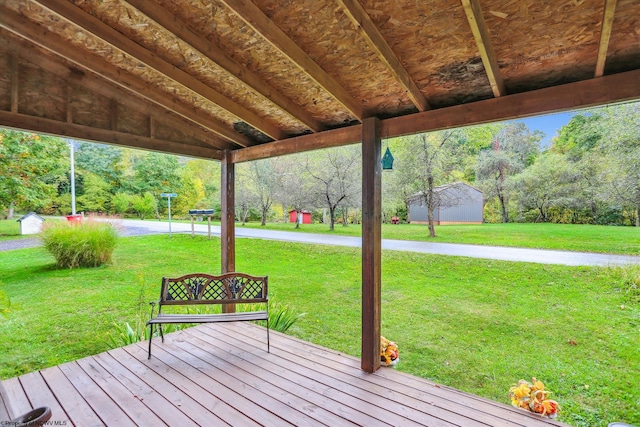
{"x": 31, "y": 223}
{"x": 302, "y": 217}
{"x": 455, "y": 203}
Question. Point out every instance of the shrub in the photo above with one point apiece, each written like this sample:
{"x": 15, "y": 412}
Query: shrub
{"x": 85, "y": 244}
{"x": 281, "y": 316}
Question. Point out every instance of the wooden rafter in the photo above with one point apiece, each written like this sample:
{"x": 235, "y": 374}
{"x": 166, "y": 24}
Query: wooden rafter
{"x": 605, "y": 90}
{"x": 605, "y": 35}
{"x": 22, "y": 27}
{"x": 72, "y": 130}
{"x": 211, "y": 51}
{"x": 481, "y": 35}
{"x": 119, "y": 41}
{"x": 367, "y": 29}
{"x": 261, "y": 24}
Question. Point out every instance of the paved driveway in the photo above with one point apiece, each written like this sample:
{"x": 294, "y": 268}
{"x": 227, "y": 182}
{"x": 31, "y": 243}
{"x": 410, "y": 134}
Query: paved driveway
{"x": 134, "y": 227}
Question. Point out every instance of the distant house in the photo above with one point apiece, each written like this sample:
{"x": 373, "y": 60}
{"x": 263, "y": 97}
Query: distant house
{"x": 303, "y": 218}
{"x": 456, "y": 203}
{"x": 31, "y": 223}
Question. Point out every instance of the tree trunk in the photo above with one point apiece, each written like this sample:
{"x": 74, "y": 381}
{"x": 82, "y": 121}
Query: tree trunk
{"x": 297, "y": 219}
{"x": 332, "y": 218}
{"x": 638, "y": 217}
{"x": 264, "y": 216}
{"x": 503, "y": 207}
{"x": 430, "y": 207}
{"x": 345, "y": 216}
{"x": 10, "y": 210}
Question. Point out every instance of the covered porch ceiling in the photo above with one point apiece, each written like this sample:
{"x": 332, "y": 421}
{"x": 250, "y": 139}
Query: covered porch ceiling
{"x": 269, "y": 77}
{"x": 240, "y": 80}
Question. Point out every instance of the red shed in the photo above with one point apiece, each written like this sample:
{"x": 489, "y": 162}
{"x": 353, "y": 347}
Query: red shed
{"x": 304, "y": 218}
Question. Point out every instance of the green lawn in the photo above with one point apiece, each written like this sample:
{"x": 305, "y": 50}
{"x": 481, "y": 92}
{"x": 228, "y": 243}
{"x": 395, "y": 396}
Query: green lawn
{"x": 570, "y": 237}
{"x": 476, "y": 325}
{"x": 10, "y": 229}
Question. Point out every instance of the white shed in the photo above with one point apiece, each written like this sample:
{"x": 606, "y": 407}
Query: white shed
{"x": 31, "y": 223}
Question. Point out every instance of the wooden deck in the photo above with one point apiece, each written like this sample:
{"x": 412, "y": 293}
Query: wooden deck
{"x": 221, "y": 374}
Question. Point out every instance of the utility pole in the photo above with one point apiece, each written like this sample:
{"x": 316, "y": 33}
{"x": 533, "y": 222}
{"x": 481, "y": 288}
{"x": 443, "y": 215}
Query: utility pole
{"x": 71, "y": 142}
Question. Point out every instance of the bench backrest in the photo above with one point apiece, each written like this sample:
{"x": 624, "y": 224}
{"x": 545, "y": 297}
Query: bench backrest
{"x": 201, "y": 288}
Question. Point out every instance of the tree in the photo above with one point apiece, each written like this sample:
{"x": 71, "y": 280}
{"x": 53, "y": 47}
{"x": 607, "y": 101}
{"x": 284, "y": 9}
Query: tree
{"x": 546, "y": 183}
{"x": 621, "y": 140}
{"x": 263, "y": 177}
{"x": 205, "y": 174}
{"x": 514, "y": 148}
{"x": 245, "y": 197}
{"x": 121, "y": 202}
{"x": 96, "y": 195}
{"x": 336, "y": 173}
{"x": 144, "y": 205}
{"x": 30, "y": 168}
{"x": 425, "y": 162}
{"x": 102, "y": 160}
{"x": 292, "y": 184}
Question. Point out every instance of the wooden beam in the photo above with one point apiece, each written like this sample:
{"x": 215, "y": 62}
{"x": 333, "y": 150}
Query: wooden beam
{"x": 113, "y": 114}
{"x": 87, "y": 133}
{"x": 371, "y": 244}
{"x": 109, "y": 35}
{"x": 228, "y": 220}
{"x": 69, "y": 112}
{"x": 588, "y": 93}
{"x": 605, "y": 35}
{"x": 174, "y": 25}
{"x": 19, "y": 25}
{"x": 15, "y": 81}
{"x": 299, "y": 144}
{"x": 267, "y": 29}
{"x": 368, "y": 30}
{"x": 483, "y": 41}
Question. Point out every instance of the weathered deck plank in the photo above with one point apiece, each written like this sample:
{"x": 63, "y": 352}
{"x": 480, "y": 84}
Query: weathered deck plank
{"x": 220, "y": 374}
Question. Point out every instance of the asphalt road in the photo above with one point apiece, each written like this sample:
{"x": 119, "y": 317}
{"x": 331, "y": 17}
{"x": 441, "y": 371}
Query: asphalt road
{"x": 134, "y": 228}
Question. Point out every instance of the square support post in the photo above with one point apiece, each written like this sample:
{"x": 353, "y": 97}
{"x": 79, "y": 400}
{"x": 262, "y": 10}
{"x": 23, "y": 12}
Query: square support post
{"x": 371, "y": 243}
{"x": 227, "y": 226}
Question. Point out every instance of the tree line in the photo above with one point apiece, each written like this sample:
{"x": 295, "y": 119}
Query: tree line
{"x": 589, "y": 174}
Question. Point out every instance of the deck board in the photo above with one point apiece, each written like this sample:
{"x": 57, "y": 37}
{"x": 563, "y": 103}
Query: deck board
{"x": 221, "y": 374}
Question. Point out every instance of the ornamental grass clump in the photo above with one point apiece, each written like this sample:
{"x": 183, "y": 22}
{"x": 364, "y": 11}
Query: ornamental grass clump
{"x": 85, "y": 244}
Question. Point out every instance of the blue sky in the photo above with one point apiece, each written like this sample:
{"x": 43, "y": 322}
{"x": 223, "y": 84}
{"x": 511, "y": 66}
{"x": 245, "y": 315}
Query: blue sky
{"x": 549, "y": 124}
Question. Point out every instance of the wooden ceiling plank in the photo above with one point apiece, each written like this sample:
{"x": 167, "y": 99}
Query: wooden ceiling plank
{"x": 483, "y": 41}
{"x": 107, "y": 34}
{"x": 368, "y": 30}
{"x": 109, "y": 90}
{"x": 605, "y": 90}
{"x": 71, "y": 130}
{"x": 605, "y": 35}
{"x": 174, "y": 25}
{"x": 267, "y": 29}
{"x": 19, "y": 25}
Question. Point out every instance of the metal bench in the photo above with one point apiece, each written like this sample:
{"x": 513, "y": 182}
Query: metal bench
{"x": 200, "y": 289}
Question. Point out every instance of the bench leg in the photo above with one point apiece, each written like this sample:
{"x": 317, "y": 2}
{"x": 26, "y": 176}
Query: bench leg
{"x": 268, "y": 345}
{"x": 161, "y": 333}
{"x": 150, "y": 338}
